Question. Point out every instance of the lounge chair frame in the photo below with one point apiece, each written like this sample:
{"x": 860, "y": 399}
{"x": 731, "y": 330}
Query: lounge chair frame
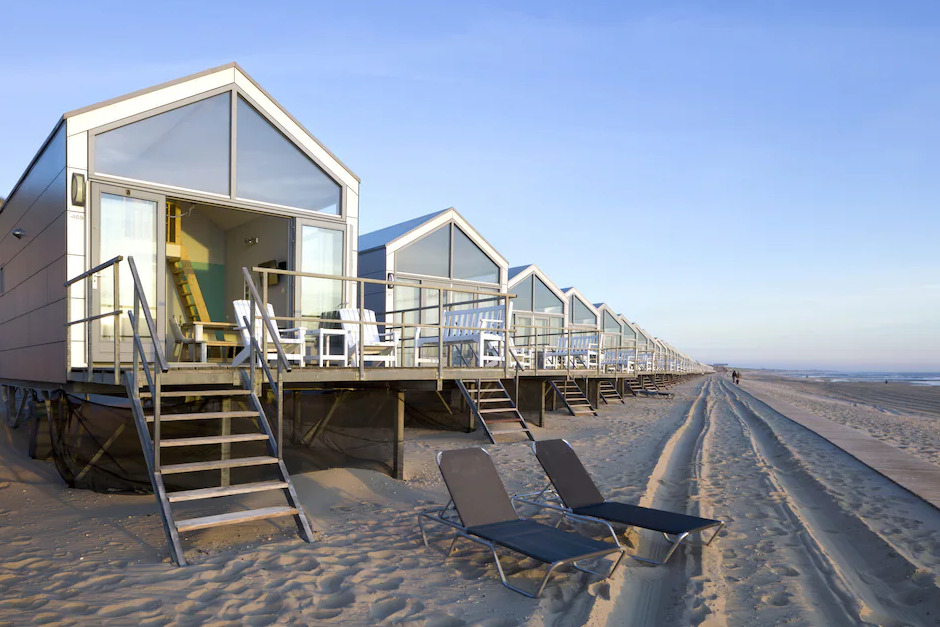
{"x": 548, "y": 498}
{"x": 449, "y": 517}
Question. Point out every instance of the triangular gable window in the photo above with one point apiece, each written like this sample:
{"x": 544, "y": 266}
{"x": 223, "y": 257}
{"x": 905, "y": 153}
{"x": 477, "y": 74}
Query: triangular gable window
{"x": 184, "y": 147}
{"x": 580, "y": 314}
{"x": 471, "y": 263}
{"x": 270, "y": 168}
{"x": 429, "y": 255}
{"x": 544, "y": 299}
{"x": 611, "y": 324}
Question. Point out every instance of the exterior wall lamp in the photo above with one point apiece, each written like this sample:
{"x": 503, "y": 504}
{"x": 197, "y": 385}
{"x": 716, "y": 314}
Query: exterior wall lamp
{"x": 78, "y": 189}
{"x": 18, "y": 233}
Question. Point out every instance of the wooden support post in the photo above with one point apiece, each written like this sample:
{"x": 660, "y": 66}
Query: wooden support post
{"x": 593, "y": 392}
{"x": 398, "y": 466}
{"x": 34, "y": 418}
{"x": 531, "y": 401}
{"x": 226, "y": 473}
{"x": 295, "y": 416}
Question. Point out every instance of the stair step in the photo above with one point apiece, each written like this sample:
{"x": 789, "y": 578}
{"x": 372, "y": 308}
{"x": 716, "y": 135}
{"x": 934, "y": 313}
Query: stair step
{"x": 216, "y": 464}
{"x": 233, "y": 518}
{"x": 214, "y": 439}
{"x": 179, "y": 393}
{"x": 498, "y": 420}
{"x": 204, "y": 415}
{"x": 495, "y": 400}
{"x": 209, "y": 493}
{"x": 496, "y": 431}
{"x": 496, "y": 410}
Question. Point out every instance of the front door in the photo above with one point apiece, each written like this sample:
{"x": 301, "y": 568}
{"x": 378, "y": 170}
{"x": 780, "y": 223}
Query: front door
{"x": 132, "y": 224}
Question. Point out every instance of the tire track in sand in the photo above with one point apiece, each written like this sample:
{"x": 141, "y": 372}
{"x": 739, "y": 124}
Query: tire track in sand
{"x": 663, "y": 595}
{"x": 873, "y": 582}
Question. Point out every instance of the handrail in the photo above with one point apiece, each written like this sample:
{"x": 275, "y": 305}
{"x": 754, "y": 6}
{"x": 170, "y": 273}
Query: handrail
{"x": 113, "y": 263}
{"x": 160, "y": 357}
{"x": 257, "y": 347}
{"x": 316, "y": 275}
{"x": 96, "y": 269}
{"x": 268, "y": 324}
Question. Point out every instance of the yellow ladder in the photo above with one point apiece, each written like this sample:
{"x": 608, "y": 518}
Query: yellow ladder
{"x": 184, "y": 277}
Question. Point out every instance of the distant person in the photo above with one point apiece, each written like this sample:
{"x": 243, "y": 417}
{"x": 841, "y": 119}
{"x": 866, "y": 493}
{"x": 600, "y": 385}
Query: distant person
{"x": 735, "y": 376}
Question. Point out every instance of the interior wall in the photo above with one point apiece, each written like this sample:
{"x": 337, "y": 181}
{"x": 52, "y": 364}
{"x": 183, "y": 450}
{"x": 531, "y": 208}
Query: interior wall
{"x": 273, "y": 244}
{"x": 33, "y": 308}
{"x": 206, "y": 244}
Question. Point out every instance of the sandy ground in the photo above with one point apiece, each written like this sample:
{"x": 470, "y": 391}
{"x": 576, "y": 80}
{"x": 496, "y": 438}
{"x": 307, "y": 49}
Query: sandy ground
{"x": 904, "y": 416}
{"x": 813, "y": 536}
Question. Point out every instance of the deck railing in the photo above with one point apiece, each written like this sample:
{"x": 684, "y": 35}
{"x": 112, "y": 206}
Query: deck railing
{"x": 114, "y": 264}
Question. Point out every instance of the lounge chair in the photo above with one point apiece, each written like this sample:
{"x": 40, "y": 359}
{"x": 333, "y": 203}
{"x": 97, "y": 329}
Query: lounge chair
{"x": 293, "y": 341}
{"x": 577, "y": 494}
{"x": 485, "y": 515}
{"x": 376, "y": 347}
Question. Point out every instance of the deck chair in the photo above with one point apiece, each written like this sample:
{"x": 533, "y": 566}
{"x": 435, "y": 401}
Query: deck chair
{"x": 578, "y": 495}
{"x": 293, "y": 341}
{"x": 376, "y": 347}
{"x": 485, "y": 515}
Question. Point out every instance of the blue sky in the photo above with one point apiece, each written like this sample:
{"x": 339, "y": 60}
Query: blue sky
{"x": 754, "y": 182}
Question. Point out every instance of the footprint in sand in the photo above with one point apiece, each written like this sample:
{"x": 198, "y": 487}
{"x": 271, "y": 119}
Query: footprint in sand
{"x": 388, "y": 606}
{"x": 124, "y": 608}
{"x": 443, "y": 620}
{"x": 337, "y": 600}
{"x": 388, "y": 585}
{"x": 4, "y": 484}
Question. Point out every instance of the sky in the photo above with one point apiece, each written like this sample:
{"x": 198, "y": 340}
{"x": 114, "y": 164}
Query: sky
{"x": 754, "y": 182}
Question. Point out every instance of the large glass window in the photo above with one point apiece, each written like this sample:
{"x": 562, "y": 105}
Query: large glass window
{"x": 543, "y": 299}
{"x": 610, "y": 323}
{"x": 270, "y": 168}
{"x": 471, "y": 263}
{"x": 432, "y": 255}
{"x": 321, "y": 252}
{"x": 580, "y": 314}
{"x": 628, "y": 332}
{"x": 429, "y": 255}
{"x": 523, "y": 291}
{"x": 185, "y": 147}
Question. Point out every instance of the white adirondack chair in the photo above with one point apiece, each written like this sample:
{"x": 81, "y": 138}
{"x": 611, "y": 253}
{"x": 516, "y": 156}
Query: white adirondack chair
{"x": 376, "y": 347}
{"x": 293, "y": 340}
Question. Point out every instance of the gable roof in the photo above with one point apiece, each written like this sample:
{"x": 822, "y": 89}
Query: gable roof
{"x": 143, "y": 100}
{"x": 400, "y": 235}
{"x": 384, "y": 236}
{"x": 517, "y": 274}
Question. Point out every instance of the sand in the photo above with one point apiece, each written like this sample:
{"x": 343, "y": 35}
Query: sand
{"x": 813, "y": 536}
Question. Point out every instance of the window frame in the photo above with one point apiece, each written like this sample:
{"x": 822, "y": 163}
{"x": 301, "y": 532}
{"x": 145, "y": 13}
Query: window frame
{"x": 450, "y": 263}
{"x": 186, "y": 193}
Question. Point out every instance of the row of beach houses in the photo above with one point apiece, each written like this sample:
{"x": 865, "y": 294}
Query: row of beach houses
{"x": 193, "y": 240}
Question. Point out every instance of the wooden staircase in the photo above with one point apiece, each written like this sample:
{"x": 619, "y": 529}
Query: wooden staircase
{"x": 573, "y": 397}
{"x": 186, "y": 284}
{"x": 609, "y": 393}
{"x": 209, "y": 438}
{"x": 493, "y": 407}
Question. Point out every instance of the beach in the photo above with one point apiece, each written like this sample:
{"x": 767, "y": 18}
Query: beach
{"x": 812, "y": 535}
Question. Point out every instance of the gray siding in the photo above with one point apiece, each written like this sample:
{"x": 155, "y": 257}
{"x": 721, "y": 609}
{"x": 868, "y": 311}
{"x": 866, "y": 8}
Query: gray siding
{"x": 372, "y": 266}
{"x": 33, "y": 304}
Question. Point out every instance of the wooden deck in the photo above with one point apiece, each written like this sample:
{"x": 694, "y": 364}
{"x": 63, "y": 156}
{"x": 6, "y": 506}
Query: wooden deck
{"x": 915, "y": 475}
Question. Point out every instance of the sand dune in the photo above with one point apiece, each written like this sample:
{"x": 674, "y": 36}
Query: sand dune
{"x": 813, "y": 537}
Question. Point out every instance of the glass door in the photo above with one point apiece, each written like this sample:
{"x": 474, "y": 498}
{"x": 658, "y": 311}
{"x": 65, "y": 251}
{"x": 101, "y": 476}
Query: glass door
{"x": 319, "y": 250}
{"x": 130, "y": 223}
